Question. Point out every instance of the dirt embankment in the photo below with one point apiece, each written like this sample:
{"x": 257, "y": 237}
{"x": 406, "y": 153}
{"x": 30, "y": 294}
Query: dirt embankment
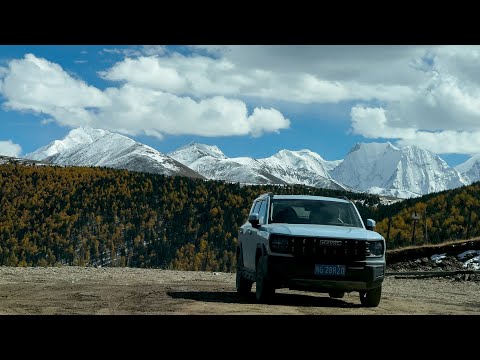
{"x": 76, "y": 290}
{"x": 448, "y": 257}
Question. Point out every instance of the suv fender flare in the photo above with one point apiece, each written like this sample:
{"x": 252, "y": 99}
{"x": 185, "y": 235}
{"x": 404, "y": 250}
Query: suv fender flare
{"x": 261, "y": 251}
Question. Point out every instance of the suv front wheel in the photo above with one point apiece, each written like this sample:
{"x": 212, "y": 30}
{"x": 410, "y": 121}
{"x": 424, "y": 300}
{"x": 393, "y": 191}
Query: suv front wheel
{"x": 264, "y": 289}
{"x": 371, "y": 298}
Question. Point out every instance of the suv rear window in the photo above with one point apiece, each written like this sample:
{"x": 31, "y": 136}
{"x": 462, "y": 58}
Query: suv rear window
{"x": 318, "y": 212}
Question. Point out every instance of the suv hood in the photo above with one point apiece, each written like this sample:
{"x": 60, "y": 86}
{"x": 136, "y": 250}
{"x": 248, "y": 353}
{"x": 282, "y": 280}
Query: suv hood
{"x": 328, "y": 231}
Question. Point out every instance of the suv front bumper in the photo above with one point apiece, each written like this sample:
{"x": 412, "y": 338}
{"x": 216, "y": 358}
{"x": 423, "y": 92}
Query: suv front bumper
{"x": 299, "y": 274}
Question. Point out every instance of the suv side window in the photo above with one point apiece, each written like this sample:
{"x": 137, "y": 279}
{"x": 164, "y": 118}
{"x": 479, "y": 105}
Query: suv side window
{"x": 255, "y": 207}
{"x": 263, "y": 213}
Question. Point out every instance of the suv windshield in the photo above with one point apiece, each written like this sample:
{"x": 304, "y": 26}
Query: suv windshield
{"x": 317, "y": 212}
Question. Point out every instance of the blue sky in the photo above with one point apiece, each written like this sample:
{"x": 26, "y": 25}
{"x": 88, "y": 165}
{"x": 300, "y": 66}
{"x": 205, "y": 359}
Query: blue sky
{"x": 248, "y": 100}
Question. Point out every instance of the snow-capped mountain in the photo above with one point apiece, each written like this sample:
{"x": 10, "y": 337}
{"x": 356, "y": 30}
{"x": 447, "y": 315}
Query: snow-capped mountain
{"x": 302, "y": 167}
{"x": 21, "y": 161}
{"x": 378, "y": 168}
{"x": 383, "y": 169}
{"x": 212, "y": 163}
{"x": 285, "y": 167}
{"x": 190, "y": 153}
{"x": 95, "y": 147}
{"x": 470, "y": 169}
{"x": 75, "y": 138}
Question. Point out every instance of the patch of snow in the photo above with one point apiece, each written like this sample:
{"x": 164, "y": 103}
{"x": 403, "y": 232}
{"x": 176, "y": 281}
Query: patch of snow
{"x": 470, "y": 169}
{"x": 473, "y": 264}
{"x": 438, "y": 258}
{"x": 468, "y": 253}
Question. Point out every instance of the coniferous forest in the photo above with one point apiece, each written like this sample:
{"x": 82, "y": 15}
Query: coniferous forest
{"x": 105, "y": 217}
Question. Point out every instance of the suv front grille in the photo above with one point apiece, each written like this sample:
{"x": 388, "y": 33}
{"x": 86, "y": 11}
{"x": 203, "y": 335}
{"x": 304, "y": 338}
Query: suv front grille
{"x": 315, "y": 248}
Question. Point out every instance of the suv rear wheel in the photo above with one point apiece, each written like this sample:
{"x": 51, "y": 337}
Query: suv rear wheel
{"x": 264, "y": 289}
{"x": 244, "y": 286}
{"x": 371, "y": 298}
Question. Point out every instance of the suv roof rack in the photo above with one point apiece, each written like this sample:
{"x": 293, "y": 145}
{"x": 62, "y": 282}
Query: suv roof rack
{"x": 269, "y": 194}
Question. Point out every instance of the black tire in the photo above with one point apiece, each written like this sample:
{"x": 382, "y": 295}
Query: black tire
{"x": 264, "y": 289}
{"x": 244, "y": 286}
{"x": 337, "y": 294}
{"x": 371, "y": 298}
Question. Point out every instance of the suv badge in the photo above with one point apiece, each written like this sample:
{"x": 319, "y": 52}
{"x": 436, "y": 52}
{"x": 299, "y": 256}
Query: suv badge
{"x": 330, "y": 243}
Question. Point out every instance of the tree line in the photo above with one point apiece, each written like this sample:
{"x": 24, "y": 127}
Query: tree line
{"x": 447, "y": 215}
{"x": 106, "y": 217}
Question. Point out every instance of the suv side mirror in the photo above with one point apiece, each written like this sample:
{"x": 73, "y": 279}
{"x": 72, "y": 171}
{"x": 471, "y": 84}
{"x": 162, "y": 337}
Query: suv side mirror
{"x": 254, "y": 219}
{"x": 371, "y": 224}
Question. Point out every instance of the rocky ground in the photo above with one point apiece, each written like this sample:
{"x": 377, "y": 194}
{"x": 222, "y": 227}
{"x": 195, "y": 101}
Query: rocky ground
{"x": 466, "y": 260}
{"x": 78, "y": 290}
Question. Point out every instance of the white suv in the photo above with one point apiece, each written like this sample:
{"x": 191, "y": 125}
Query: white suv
{"x": 310, "y": 243}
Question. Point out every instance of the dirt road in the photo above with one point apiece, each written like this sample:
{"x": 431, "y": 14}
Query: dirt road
{"x": 76, "y": 290}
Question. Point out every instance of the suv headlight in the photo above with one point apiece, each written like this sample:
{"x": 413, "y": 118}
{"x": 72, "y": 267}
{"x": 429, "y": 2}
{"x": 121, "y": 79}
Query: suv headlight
{"x": 279, "y": 244}
{"x": 374, "y": 248}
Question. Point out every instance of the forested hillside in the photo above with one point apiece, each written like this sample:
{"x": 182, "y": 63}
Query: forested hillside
{"x": 96, "y": 216}
{"x": 450, "y": 215}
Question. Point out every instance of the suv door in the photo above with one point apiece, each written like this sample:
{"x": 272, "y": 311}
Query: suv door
{"x": 262, "y": 220}
{"x": 249, "y": 244}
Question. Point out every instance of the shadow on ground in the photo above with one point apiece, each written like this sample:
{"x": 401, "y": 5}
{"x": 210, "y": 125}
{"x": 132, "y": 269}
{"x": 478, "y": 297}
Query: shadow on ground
{"x": 230, "y": 297}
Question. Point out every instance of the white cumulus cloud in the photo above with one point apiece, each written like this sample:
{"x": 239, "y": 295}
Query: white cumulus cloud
{"x": 135, "y": 109}
{"x": 9, "y": 148}
{"x": 441, "y": 113}
{"x": 134, "y": 51}
{"x": 35, "y": 84}
{"x": 38, "y": 85}
{"x": 421, "y": 95}
{"x": 200, "y": 75}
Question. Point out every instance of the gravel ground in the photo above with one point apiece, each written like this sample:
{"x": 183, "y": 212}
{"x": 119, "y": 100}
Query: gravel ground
{"x": 77, "y": 290}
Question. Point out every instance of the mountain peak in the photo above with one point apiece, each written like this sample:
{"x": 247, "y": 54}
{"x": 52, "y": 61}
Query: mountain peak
{"x": 470, "y": 169}
{"x": 96, "y": 147}
{"x": 391, "y": 146}
{"x": 193, "y": 151}
{"x": 86, "y": 132}
{"x": 200, "y": 146}
{"x": 372, "y": 147}
{"x": 76, "y": 137}
{"x": 386, "y": 169}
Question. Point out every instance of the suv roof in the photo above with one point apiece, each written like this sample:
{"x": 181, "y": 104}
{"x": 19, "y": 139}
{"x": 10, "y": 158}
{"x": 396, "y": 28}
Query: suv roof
{"x": 303, "y": 197}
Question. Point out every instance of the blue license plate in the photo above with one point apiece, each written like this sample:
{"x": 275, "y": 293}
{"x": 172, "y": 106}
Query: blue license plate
{"x": 330, "y": 270}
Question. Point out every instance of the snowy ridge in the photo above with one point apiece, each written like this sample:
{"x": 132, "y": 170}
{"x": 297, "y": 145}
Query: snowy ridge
{"x": 384, "y": 169}
{"x": 301, "y": 167}
{"x": 95, "y": 147}
{"x": 76, "y": 137}
{"x": 188, "y": 154}
{"x": 470, "y": 169}
{"x": 286, "y": 167}
{"x": 377, "y": 168}
{"x": 15, "y": 160}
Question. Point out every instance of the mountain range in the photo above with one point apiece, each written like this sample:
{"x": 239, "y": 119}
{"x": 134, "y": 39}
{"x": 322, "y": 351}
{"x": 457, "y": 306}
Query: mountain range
{"x": 96, "y": 147}
{"x": 378, "y": 168}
